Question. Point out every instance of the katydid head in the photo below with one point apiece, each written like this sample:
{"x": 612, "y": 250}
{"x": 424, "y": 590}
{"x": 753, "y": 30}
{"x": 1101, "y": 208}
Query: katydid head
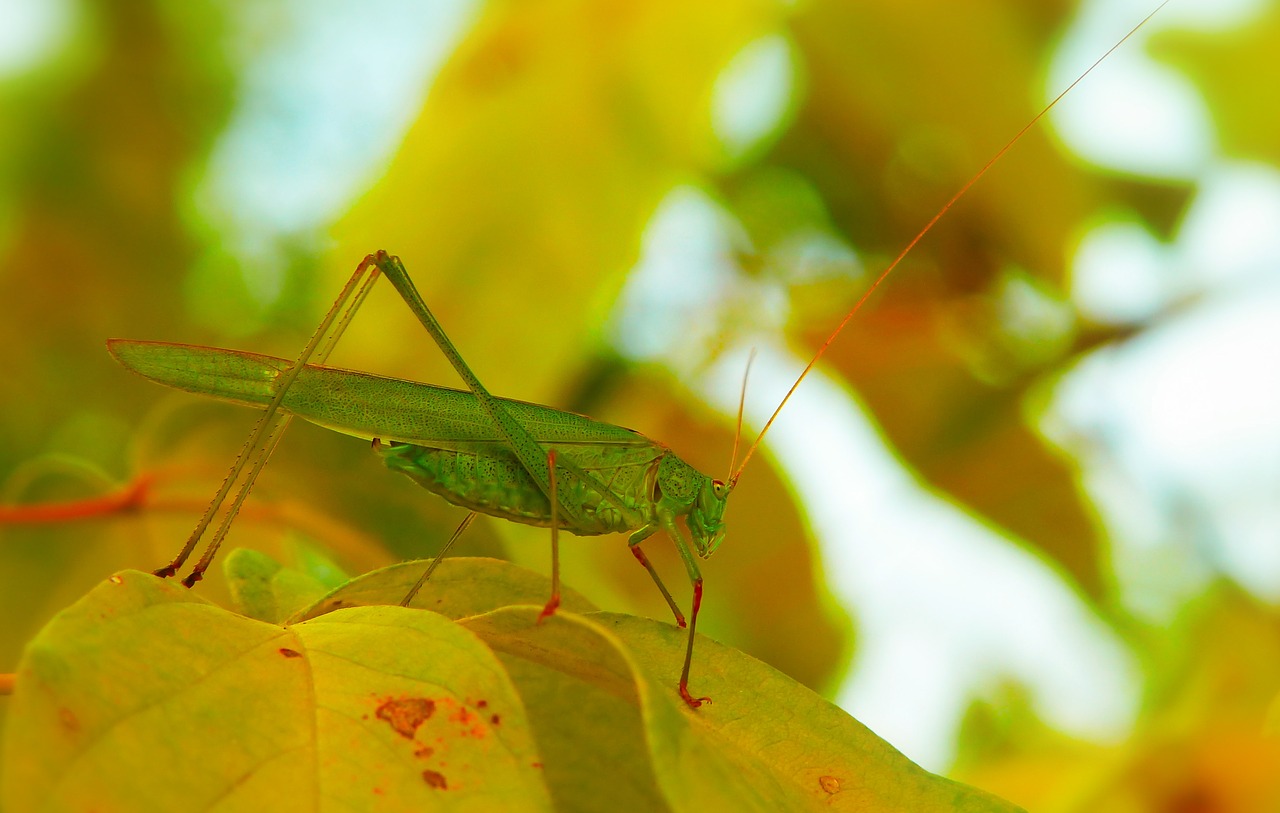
{"x": 706, "y": 517}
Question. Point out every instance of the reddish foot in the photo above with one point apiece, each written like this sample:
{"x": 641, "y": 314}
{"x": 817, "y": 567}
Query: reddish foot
{"x": 550, "y": 609}
{"x": 680, "y": 622}
{"x": 195, "y": 576}
{"x": 165, "y": 572}
{"x": 693, "y": 702}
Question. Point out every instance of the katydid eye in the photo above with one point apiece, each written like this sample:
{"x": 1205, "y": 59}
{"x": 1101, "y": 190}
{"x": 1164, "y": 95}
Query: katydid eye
{"x": 718, "y": 487}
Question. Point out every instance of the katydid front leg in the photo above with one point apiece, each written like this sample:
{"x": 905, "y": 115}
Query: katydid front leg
{"x": 695, "y": 579}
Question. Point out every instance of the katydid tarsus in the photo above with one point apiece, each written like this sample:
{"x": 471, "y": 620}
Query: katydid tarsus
{"x": 519, "y": 461}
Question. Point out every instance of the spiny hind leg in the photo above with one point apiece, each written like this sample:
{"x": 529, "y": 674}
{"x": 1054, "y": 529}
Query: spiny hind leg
{"x": 270, "y": 427}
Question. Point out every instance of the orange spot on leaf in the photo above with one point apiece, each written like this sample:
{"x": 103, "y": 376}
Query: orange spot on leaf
{"x": 405, "y": 714}
{"x": 470, "y": 723}
{"x": 462, "y": 715}
{"x": 290, "y": 653}
{"x": 829, "y": 783}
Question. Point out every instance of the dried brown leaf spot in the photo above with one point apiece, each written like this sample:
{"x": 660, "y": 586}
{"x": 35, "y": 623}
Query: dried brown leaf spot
{"x": 405, "y": 714}
{"x": 435, "y": 779}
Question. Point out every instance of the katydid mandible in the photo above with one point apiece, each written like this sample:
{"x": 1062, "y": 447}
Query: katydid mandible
{"x": 520, "y": 461}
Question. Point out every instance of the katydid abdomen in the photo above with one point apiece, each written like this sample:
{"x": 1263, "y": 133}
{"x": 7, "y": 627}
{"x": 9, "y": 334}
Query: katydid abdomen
{"x": 487, "y": 477}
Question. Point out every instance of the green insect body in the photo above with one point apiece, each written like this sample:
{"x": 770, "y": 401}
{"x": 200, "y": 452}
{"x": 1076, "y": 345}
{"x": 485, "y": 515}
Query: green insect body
{"x": 486, "y": 477}
{"x": 515, "y": 460}
{"x": 441, "y": 439}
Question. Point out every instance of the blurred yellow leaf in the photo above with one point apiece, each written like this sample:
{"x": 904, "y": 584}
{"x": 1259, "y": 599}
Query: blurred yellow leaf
{"x": 1230, "y": 65}
{"x": 911, "y": 113}
{"x": 967, "y": 437}
{"x": 518, "y": 199}
{"x": 1201, "y": 744}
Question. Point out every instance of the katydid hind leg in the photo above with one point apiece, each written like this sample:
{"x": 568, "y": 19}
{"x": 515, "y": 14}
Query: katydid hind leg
{"x": 270, "y": 426}
{"x": 554, "y": 602}
{"x": 530, "y": 454}
{"x": 278, "y": 427}
{"x": 435, "y": 562}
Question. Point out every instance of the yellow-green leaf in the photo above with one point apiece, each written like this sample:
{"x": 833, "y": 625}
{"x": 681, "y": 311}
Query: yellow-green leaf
{"x": 262, "y": 588}
{"x": 145, "y": 697}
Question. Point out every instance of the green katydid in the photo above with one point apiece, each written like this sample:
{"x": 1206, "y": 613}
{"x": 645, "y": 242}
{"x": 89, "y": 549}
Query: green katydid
{"x": 519, "y": 461}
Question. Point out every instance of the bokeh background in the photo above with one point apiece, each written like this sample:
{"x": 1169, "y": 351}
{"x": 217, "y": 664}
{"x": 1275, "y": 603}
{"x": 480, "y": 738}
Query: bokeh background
{"x": 1023, "y": 520}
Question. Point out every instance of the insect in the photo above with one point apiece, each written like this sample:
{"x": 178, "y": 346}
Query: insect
{"x": 519, "y": 461}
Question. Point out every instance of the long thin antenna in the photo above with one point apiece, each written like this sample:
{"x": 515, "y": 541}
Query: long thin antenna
{"x": 927, "y": 228}
{"x": 742, "y": 402}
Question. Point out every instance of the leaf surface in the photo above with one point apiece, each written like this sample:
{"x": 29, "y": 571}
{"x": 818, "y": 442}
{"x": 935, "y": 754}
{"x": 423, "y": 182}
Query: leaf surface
{"x": 145, "y": 697}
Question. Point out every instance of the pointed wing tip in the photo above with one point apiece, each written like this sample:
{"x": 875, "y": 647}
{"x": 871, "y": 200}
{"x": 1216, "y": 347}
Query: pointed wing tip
{"x": 118, "y": 348}
{"x": 123, "y": 350}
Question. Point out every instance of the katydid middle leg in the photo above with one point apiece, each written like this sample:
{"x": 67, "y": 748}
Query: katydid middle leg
{"x": 426, "y": 574}
{"x": 634, "y": 543}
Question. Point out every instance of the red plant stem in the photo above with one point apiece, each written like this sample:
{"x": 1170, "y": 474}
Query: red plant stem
{"x": 130, "y": 498}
